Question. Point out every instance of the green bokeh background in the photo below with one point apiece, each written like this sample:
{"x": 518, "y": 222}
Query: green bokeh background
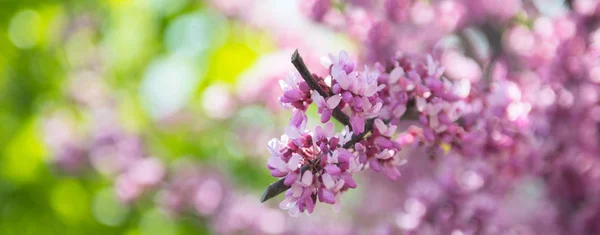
{"x": 43, "y": 41}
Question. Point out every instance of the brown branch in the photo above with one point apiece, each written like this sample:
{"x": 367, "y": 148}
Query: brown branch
{"x": 279, "y": 187}
{"x": 313, "y": 84}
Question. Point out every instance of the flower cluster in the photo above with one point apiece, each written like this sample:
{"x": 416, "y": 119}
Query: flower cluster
{"x": 318, "y": 164}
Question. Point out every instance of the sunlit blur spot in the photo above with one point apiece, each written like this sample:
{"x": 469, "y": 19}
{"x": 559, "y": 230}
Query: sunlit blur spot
{"x": 518, "y": 110}
{"x": 130, "y": 36}
{"x": 520, "y": 40}
{"x": 565, "y": 99}
{"x": 414, "y": 207}
{"x": 167, "y": 86}
{"x": 155, "y": 222}
{"x": 22, "y": 30}
{"x": 421, "y": 13}
{"x": 217, "y": 101}
{"x": 457, "y": 232}
{"x": 70, "y": 201}
{"x": 407, "y": 221}
{"x": 272, "y": 222}
{"x": 595, "y": 41}
{"x": 547, "y": 97}
{"x": 588, "y": 94}
{"x": 166, "y": 7}
{"x": 230, "y": 60}
{"x": 208, "y": 197}
{"x": 193, "y": 34}
{"x": 513, "y": 91}
{"x": 446, "y": 147}
{"x": 470, "y": 180}
{"x": 585, "y": 7}
{"x": 544, "y": 27}
{"x": 461, "y": 67}
{"x": 526, "y": 198}
{"x": 107, "y": 209}
{"x": 79, "y": 47}
{"x": 550, "y": 7}
{"x": 23, "y": 156}
{"x": 595, "y": 74}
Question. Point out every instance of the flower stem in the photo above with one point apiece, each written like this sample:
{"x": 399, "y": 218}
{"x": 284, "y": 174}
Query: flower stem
{"x": 279, "y": 187}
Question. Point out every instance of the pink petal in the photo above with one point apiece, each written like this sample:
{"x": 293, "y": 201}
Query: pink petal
{"x": 332, "y": 169}
{"x": 392, "y": 172}
{"x": 328, "y": 197}
{"x": 290, "y": 179}
{"x": 399, "y": 110}
{"x": 298, "y": 117}
{"x": 292, "y": 132}
{"x": 326, "y": 116}
{"x": 350, "y": 183}
{"x": 374, "y": 164}
{"x": 376, "y": 108}
{"x": 395, "y": 75}
{"x": 293, "y": 94}
{"x": 277, "y": 173}
{"x": 383, "y": 142}
{"x": 329, "y": 129}
{"x": 358, "y": 124}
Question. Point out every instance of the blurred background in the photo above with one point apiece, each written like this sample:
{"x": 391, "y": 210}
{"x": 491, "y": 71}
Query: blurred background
{"x": 184, "y": 90}
{"x": 152, "y": 116}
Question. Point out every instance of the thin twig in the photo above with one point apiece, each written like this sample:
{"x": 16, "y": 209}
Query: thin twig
{"x": 279, "y": 187}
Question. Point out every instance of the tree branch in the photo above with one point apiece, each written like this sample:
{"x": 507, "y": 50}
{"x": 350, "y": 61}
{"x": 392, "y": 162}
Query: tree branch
{"x": 314, "y": 85}
{"x": 279, "y": 187}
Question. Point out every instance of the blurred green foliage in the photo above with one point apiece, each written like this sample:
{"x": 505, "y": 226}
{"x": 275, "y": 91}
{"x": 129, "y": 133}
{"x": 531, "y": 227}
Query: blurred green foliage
{"x": 43, "y": 43}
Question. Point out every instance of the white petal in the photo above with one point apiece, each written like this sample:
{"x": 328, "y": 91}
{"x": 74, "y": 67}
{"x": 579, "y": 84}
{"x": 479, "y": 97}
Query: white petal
{"x": 434, "y": 122}
{"x": 462, "y": 88}
{"x": 395, "y": 75}
{"x": 329, "y": 129}
{"x": 337, "y": 206}
{"x": 294, "y": 162}
{"x": 343, "y": 56}
{"x": 431, "y": 65}
{"x": 326, "y": 61}
{"x": 333, "y": 101}
{"x": 421, "y": 102}
{"x": 328, "y": 181}
{"x": 380, "y": 125}
{"x": 273, "y": 147}
{"x": 307, "y": 178}
{"x": 292, "y": 132}
{"x": 318, "y": 99}
{"x": 294, "y": 211}
{"x": 366, "y": 104}
{"x": 376, "y": 108}
{"x": 399, "y": 110}
{"x": 286, "y": 204}
{"x": 277, "y": 163}
{"x": 296, "y": 190}
{"x": 384, "y": 155}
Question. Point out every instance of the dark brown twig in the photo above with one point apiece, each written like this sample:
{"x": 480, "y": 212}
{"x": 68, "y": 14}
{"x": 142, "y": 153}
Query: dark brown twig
{"x": 279, "y": 187}
{"x": 313, "y": 84}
